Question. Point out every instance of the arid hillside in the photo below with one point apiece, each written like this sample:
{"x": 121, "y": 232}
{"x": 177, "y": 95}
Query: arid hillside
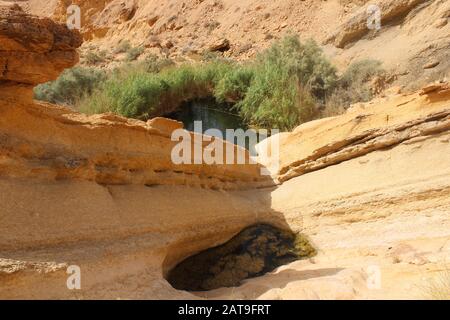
{"x": 413, "y": 42}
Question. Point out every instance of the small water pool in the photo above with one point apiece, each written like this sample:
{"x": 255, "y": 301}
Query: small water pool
{"x": 213, "y": 115}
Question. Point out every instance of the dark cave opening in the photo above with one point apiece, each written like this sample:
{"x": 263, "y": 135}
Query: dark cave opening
{"x": 254, "y": 251}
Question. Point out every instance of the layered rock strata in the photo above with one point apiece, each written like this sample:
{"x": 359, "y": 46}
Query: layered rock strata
{"x": 32, "y": 51}
{"x": 370, "y": 189}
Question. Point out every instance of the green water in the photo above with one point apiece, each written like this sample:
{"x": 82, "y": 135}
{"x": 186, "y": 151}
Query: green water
{"x": 212, "y": 115}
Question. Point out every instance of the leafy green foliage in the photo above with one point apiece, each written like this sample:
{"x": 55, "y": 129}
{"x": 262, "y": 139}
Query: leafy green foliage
{"x": 141, "y": 94}
{"x": 288, "y": 84}
{"x": 71, "y": 86}
{"x": 289, "y": 81}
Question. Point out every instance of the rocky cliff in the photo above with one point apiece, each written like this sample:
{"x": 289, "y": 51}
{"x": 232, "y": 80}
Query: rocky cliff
{"x": 419, "y": 29}
{"x": 33, "y": 51}
{"x": 370, "y": 189}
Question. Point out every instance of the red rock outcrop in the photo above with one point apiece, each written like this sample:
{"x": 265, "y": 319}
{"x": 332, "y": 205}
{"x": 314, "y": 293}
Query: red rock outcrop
{"x": 32, "y": 51}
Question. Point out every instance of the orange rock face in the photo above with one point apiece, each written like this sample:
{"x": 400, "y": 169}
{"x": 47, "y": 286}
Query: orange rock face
{"x": 34, "y": 50}
{"x": 107, "y": 149}
{"x": 370, "y": 188}
{"x": 44, "y": 144}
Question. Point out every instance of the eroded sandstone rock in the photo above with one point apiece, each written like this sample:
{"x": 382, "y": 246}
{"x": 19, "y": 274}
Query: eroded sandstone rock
{"x": 356, "y": 26}
{"x": 44, "y": 145}
{"x": 90, "y": 191}
{"x": 373, "y": 126}
{"x": 107, "y": 148}
{"x": 220, "y": 45}
{"x": 32, "y": 51}
{"x": 253, "y": 252}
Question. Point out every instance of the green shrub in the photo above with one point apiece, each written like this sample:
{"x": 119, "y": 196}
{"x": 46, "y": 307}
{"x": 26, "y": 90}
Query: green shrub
{"x": 92, "y": 58}
{"x": 122, "y": 47}
{"x": 286, "y": 85}
{"x": 153, "y": 64}
{"x": 134, "y": 53}
{"x": 233, "y": 86}
{"x": 289, "y": 81}
{"x": 71, "y": 86}
{"x": 137, "y": 93}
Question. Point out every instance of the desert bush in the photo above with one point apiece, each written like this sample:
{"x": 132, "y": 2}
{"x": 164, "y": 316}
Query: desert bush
{"x": 138, "y": 93}
{"x": 71, "y": 86}
{"x": 92, "y": 58}
{"x": 336, "y": 103}
{"x": 104, "y": 54}
{"x": 288, "y": 84}
{"x": 207, "y": 55}
{"x": 360, "y": 72}
{"x": 122, "y": 47}
{"x": 353, "y": 86}
{"x": 356, "y": 77}
{"x": 438, "y": 288}
{"x": 211, "y": 25}
{"x": 134, "y": 53}
{"x": 154, "y": 64}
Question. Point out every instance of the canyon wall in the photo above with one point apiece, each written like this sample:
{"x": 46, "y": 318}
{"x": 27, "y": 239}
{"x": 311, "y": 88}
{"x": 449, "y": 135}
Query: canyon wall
{"x": 70, "y": 182}
{"x": 369, "y": 188}
{"x": 413, "y": 41}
